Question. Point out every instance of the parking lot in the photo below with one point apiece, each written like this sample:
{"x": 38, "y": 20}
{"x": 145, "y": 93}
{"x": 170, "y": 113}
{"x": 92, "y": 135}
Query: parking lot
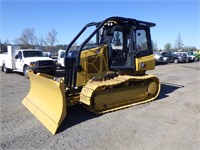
{"x": 170, "y": 122}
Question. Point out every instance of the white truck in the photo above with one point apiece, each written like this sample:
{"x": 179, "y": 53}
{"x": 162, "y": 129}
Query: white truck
{"x": 61, "y": 57}
{"x": 21, "y": 60}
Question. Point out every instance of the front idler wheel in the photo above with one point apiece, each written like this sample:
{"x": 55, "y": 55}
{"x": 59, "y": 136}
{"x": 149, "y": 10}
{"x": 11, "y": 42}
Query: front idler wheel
{"x": 152, "y": 88}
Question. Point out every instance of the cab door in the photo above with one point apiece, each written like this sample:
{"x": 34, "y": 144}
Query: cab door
{"x": 19, "y": 62}
{"x": 122, "y": 50}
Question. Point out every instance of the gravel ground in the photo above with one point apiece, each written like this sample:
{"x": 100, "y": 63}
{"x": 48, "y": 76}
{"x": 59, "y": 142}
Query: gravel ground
{"x": 170, "y": 122}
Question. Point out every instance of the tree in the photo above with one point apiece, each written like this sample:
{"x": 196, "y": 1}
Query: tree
{"x": 27, "y": 38}
{"x": 190, "y": 48}
{"x": 179, "y": 43}
{"x": 40, "y": 41}
{"x": 167, "y": 47}
{"x": 74, "y": 46}
{"x": 51, "y": 38}
{"x": 154, "y": 45}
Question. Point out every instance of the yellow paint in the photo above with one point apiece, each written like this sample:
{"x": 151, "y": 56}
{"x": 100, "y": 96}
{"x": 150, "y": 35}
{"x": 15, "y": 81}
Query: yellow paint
{"x": 110, "y": 95}
{"x": 46, "y": 100}
{"x": 149, "y": 63}
{"x": 95, "y": 60}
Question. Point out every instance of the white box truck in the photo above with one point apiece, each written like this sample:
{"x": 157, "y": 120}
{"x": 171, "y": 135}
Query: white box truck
{"x": 21, "y": 60}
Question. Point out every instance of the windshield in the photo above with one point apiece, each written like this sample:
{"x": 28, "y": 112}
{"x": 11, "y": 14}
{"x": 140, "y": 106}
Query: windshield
{"x": 33, "y": 53}
{"x": 190, "y": 53}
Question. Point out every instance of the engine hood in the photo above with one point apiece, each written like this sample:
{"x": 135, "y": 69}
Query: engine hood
{"x": 35, "y": 59}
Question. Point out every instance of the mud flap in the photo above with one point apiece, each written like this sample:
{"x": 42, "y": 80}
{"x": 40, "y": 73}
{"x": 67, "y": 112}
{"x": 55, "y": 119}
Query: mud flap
{"x": 46, "y": 100}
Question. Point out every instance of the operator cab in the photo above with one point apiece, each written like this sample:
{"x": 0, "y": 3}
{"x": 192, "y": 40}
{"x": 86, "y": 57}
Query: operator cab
{"x": 126, "y": 41}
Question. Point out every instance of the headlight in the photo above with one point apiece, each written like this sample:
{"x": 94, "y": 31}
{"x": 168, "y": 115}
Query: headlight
{"x": 32, "y": 64}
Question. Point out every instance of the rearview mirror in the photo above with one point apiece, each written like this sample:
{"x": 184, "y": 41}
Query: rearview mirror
{"x": 62, "y": 55}
{"x": 16, "y": 57}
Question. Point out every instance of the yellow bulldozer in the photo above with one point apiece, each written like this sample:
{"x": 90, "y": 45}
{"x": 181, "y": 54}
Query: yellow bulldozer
{"x": 107, "y": 72}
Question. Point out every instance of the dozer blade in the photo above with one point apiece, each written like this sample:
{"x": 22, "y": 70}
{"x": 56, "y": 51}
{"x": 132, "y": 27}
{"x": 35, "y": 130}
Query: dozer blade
{"x": 46, "y": 100}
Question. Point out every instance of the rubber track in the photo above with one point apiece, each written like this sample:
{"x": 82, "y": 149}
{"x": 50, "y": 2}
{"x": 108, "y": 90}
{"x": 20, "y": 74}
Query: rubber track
{"x": 92, "y": 86}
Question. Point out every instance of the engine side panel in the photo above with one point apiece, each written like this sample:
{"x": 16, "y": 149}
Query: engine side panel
{"x": 94, "y": 62}
{"x": 145, "y": 63}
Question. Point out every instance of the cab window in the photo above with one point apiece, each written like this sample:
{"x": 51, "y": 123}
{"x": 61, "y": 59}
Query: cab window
{"x": 141, "y": 40}
{"x": 20, "y": 55}
{"x": 117, "y": 41}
